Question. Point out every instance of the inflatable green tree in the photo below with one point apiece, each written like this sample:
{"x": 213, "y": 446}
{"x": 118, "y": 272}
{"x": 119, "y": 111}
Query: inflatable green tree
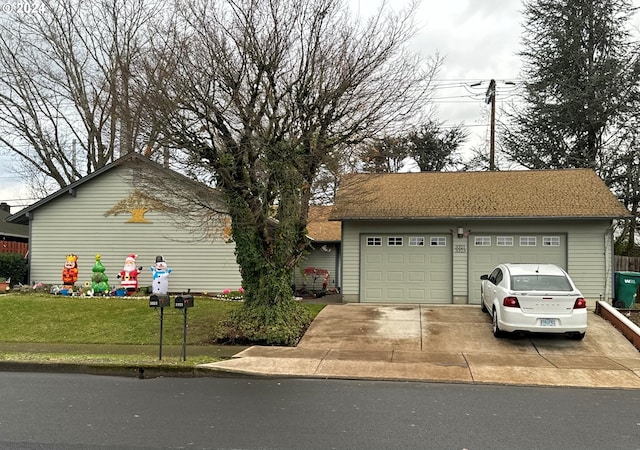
{"x": 99, "y": 281}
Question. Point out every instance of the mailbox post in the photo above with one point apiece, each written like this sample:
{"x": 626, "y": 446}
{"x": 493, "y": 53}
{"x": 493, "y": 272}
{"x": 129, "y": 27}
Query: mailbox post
{"x": 155, "y": 301}
{"x": 184, "y": 302}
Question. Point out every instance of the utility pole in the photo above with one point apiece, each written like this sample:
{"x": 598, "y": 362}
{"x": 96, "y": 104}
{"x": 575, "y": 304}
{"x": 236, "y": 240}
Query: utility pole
{"x": 491, "y": 99}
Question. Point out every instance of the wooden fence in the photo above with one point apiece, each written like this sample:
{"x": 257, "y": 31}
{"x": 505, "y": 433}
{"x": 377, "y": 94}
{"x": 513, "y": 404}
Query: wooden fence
{"x": 14, "y": 247}
{"x": 626, "y": 264}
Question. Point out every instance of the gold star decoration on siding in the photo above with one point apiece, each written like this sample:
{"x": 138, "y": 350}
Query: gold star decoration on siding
{"x": 137, "y": 204}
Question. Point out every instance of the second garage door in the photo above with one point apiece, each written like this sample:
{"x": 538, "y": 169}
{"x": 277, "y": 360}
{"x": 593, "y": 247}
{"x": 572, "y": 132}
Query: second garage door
{"x": 404, "y": 268}
{"x": 487, "y": 251}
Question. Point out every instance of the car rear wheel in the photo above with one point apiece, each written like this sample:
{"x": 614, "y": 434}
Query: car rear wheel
{"x": 497, "y": 332}
{"x": 577, "y": 336}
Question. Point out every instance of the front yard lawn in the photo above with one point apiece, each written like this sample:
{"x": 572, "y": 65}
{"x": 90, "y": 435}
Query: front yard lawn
{"x": 108, "y": 320}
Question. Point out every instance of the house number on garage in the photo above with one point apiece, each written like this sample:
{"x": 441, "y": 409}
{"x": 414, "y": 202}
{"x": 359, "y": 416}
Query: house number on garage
{"x": 460, "y": 248}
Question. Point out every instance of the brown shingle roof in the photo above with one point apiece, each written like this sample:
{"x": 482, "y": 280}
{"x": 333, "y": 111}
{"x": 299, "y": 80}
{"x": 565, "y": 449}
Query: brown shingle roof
{"x": 319, "y": 228}
{"x": 577, "y": 193}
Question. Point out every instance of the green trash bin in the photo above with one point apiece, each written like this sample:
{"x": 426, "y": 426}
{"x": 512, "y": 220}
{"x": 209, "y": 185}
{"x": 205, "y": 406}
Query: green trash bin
{"x": 626, "y": 284}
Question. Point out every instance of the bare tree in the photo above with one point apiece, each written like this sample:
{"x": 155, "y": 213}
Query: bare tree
{"x": 72, "y": 91}
{"x": 263, "y": 94}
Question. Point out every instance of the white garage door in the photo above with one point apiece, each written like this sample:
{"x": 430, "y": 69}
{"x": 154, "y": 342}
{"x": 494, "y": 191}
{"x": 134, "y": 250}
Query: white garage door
{"x": 403, "y": 268}
{"x": 487, "y": 251}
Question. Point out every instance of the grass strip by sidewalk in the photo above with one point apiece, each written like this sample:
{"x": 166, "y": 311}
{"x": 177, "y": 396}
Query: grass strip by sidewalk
{"x": 97, "y": 359}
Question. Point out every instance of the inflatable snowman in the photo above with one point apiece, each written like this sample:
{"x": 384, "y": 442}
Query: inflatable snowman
{"x": 160, "y": 273}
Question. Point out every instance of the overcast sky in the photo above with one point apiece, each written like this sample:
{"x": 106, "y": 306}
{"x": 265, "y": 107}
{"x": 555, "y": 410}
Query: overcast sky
{"x": 479, "y": 41}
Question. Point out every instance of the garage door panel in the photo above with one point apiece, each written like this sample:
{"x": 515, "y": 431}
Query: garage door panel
{"x": 415, "y": 276}
{"x": 417, "y": 294}
{"x": 417, "y": 259}
{"x": 435, "y": 259}
{"x": 403, "y": 273}
{"x": 395, "y": 258}
{"x": 374, "y": 276}
{"x": 374, "y": 293}
{"x": 438, "y": 276}
{"x": 395, "y": 276}
{"x": 530, "y": 256}
{"x": 373, "y": 259}
{"x": 395, "y": 293}
{"x": 439, "y": 293}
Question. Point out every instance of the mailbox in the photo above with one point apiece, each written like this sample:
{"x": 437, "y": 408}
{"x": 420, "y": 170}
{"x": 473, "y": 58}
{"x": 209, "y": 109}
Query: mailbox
{"x": 159, "y": 300}
{"x": 184, "y": 301}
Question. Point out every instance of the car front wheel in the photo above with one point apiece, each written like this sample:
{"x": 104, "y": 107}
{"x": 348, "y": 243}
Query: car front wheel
{"x": 497, "y": 332}
{"x": 483, "y": 306}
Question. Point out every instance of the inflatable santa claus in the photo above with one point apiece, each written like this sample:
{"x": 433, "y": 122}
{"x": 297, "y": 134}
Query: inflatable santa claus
{"x": 129, "y": 274}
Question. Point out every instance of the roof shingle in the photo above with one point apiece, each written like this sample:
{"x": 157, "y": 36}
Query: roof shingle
{"x": 571, "y": 193}
{"x": 318, "y": 226}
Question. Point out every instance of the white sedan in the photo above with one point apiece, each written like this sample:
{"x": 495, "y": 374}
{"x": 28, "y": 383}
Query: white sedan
{"x": 533, "y": 298}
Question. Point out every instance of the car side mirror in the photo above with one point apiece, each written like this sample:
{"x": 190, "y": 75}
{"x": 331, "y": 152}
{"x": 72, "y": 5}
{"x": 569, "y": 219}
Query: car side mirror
{"x": 484, "y": 277}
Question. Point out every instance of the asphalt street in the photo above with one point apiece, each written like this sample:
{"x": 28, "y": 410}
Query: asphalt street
{"x": 68, "y": 411}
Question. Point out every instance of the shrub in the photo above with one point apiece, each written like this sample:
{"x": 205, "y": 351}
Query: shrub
{"x": 14, "y": 266}
{"x": 280, "y": 324}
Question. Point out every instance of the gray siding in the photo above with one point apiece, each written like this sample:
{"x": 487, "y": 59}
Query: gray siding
{"x": 590, "y": 261}
{"x": 78, "y": 225}
{"x": 460, "y": 269}
{"x": 319, "y": 259}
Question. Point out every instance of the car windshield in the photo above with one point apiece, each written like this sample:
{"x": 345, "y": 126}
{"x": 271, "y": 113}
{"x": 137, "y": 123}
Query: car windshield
{"x": 540, "y": 283}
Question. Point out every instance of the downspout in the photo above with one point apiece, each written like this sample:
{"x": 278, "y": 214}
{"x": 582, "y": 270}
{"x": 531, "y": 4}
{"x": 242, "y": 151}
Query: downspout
{"x": 608, "y": 275}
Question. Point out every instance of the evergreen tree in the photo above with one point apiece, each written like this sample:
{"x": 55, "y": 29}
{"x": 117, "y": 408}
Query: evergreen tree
{"x": 581, "y": 74}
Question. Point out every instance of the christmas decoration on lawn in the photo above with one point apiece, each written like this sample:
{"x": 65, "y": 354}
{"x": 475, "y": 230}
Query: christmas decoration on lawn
{"x": 99, "y": 280}
{"x": 70, "y": 271}
{"x": 160, "y": 273}
{"x": 129, "y": 274}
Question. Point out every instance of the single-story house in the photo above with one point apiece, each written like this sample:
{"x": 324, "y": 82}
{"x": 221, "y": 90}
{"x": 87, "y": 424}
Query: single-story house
{"x": 14, "y": 238}
{"x": 136, "y": 206}
{"x": 428, "y": 237}
{"x": 133, "y": 206}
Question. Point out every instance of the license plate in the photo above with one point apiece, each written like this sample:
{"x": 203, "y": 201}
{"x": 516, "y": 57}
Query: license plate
{"x": 547, "y": 322}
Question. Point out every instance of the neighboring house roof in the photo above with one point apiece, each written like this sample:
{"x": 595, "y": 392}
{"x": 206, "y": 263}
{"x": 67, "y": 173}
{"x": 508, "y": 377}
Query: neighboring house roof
{"x": 22, "y": 217}
{"x": 570, "y": 193}
{"x": 12, "y": 229}
{"x": 318, "y": 226}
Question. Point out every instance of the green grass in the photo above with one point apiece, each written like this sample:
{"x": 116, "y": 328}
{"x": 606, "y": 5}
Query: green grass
{"x": 44, "y": 318}
{"x": 104, "y": 359}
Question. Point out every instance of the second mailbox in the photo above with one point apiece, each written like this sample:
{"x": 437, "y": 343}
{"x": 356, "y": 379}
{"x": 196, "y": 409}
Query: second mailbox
{"x": 184, "y": 301}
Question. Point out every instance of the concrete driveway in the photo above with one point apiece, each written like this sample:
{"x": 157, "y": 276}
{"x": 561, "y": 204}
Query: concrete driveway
{"x": 451, "y": 343}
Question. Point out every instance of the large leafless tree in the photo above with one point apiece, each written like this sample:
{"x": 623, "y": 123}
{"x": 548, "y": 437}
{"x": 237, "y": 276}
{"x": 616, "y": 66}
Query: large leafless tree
{"x": 262, "y": 95}
{"x": 73, "y": 94}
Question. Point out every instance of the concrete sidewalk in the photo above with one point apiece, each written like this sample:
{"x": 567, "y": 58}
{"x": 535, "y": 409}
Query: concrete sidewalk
{"x": 450, "y": 343}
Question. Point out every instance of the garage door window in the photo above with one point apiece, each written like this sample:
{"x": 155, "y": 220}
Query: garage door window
{"x": 374, "y": 242}
{"x": 416, "y": 241}
{"x": 527, "y": 241}
{"x": 551, "y": 241}
{"x": 504, "y": 241}
{"x": 394, "y": 241}
{"x": 438, "y": 241}
{"x": 482, "y": 241}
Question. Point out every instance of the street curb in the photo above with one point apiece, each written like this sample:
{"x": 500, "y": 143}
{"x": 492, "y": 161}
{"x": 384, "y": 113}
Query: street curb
{"x": 140, "y": 371}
